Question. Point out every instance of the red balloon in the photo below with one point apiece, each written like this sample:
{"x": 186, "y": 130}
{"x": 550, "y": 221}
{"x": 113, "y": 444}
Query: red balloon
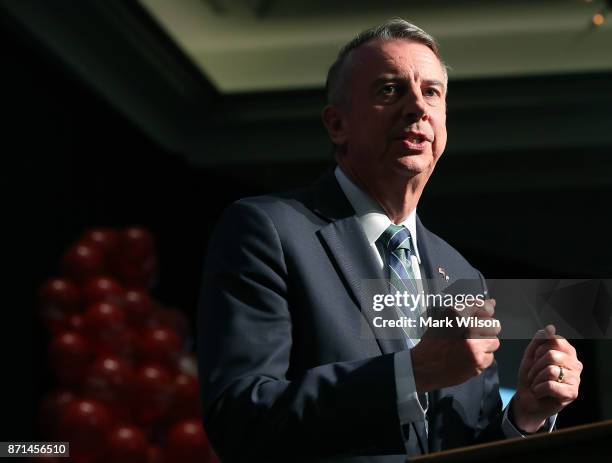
{"x": 123, "y": 344}
{"x": 136, "y": 273}
{"x": 85, "y": 424}
{"x": 187, "y": 442}
{"x": 186, "y": 398}
{"x": 51, "y": 409}
{"x": 71, "y": 323}
{"x": 127, "y": 444}
{"x": 160, "y": 344}
{"x": 137, "y": 243}
{"x": 58, "y": 298}
{"x": 104, "y": 324}
{"x": 137, "y": 306}
{"x": 75, "y": 322}
{"x": 171, "y": 318}
{"x": 103, "y": 289}
{"x": 83, "y": 261}
{"x": 109, "y": 380}
{"x": 155, "y": 455}
{"x": 187, "y": 364}
{"x": 151, "y": 393}
{"x": 106, "y": 239}
{"x": 102, "y": 320}
{"x": 70, "y": 354}
{"x": 59, "y": 294}
{"x": 136, "y": 264}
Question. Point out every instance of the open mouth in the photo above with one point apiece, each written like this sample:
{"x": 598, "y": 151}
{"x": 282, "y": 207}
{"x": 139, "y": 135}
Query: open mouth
{"x": 416, "y": 139}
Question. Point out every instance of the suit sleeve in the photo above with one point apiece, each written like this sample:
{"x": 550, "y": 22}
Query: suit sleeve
{"x": 254, "y": 405}
{"x": 489, "y": 427}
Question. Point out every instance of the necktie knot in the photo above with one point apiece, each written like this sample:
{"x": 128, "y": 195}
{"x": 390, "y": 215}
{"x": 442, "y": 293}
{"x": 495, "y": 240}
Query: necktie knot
{"x": 396, "y": 237}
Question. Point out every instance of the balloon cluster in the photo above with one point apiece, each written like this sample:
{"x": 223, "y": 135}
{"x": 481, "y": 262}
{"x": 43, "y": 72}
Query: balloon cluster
{"x": 127, "y": 388}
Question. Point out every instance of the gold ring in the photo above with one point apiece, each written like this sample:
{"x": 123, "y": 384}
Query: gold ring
{"x": 561, "y": 374}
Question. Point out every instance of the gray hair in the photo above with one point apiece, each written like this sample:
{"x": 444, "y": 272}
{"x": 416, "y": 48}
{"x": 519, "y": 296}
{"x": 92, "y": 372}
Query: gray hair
{"x": 393, "y": 29}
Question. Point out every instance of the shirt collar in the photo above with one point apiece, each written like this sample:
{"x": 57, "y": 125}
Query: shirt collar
{"x": 369, "y": 213}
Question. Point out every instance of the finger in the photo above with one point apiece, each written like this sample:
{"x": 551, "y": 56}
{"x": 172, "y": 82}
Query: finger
{"x": 564, "y": 393}
{"x": 558, "y": 343}
{"x": 486, "y": 309}
{"x": 484, "y": 361}
{"x": 551, "y": 357}
{"x": 483, "y": 312}
{"x": 483, "y": 345}
{"x": 538, "y": 339}
{"x": 484, "y": 331}
{"x": 528, "y": 356}
{"x": 552, "y": 373}
{"x": 572, "y": 370}
{"x": 492, "y": 346}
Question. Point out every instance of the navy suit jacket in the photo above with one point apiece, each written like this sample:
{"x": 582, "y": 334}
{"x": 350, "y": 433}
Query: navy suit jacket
{"x": 285, "y": 370}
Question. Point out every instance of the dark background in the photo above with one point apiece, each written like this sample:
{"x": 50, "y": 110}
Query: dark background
{"x": 72, "y": 161}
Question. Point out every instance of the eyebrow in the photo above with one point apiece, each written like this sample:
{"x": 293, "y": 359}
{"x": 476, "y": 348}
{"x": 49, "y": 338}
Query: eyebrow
{"x": 434, "y": 83}
{"x": 395, "y": 77}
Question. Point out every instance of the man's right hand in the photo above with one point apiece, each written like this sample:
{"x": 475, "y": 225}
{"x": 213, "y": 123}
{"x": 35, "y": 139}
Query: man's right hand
{"x": 443, "y": 360}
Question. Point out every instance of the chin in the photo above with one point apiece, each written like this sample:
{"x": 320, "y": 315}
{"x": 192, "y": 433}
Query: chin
{"x": 412, "y": 165}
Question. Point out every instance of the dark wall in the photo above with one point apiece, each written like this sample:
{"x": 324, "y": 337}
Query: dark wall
{"x": 72, "y": 161}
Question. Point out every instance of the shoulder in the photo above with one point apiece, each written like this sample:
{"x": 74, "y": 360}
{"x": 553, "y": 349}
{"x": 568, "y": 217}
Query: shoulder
{"x": 276, "y": 203}
{"x": 280, "y": 210}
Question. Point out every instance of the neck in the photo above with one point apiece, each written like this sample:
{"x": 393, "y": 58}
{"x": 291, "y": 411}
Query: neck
{"x": 398, "y": 200}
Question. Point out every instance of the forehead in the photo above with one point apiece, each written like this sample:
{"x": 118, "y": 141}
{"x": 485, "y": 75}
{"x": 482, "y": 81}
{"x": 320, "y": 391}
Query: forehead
{"x": 397, "y": 57}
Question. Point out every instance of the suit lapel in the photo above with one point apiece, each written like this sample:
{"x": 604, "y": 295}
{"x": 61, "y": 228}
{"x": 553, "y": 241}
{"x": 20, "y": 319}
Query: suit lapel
{"x": 349, "y": 249}
{"x": 432, "y": 260}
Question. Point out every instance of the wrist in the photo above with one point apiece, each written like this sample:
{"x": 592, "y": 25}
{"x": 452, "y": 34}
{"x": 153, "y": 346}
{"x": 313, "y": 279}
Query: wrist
{"x": 521, "y": 421}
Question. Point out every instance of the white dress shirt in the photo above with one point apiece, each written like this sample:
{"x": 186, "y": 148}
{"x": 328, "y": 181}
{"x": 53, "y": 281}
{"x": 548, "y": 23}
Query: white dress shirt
{"x": 374, "y": 222}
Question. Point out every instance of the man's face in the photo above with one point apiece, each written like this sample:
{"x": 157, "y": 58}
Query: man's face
{"x": 395, "y": 119}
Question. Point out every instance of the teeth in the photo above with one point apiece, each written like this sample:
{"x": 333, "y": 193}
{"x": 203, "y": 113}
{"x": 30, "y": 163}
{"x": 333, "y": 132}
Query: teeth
{"x": 414, "y": 139}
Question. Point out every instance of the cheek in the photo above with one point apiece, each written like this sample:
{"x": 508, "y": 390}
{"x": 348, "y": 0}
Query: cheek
{"x": 440, "y": 136}
{"x": 366, "y": 129}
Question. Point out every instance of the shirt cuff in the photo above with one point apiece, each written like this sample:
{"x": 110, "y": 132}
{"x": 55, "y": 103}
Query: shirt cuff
{"x": 510, "y": 430}
{"x": 408, "y": 406}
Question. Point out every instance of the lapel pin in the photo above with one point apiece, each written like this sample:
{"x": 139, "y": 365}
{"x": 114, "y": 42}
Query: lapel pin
{"x": 442, "y": 272}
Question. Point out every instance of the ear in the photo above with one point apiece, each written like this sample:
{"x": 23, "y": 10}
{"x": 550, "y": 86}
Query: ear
{"x": 336, "y": 125}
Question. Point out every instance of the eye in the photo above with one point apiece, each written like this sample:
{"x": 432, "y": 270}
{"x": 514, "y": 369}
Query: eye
{"x": 431, "y": 92}
{"x": 389, "y": 90}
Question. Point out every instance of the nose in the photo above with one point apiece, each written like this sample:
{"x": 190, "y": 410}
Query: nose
{"x": 414, "y": 108}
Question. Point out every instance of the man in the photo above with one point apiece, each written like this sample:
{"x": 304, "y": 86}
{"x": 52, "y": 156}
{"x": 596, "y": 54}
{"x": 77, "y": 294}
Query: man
{"x": 286, "y": 370}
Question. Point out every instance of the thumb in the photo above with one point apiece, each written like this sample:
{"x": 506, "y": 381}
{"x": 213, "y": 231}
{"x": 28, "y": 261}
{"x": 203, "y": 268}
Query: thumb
{"x": 550, "y": 331}
{"x": 485, "y": 310}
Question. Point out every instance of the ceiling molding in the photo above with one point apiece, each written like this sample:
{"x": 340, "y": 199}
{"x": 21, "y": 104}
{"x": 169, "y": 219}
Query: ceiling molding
{"x": 293, "y": 44}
